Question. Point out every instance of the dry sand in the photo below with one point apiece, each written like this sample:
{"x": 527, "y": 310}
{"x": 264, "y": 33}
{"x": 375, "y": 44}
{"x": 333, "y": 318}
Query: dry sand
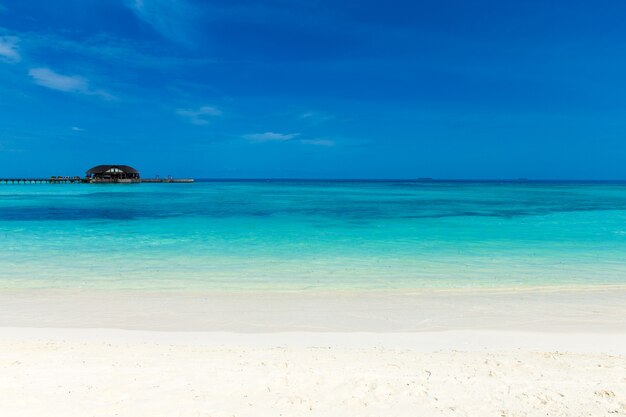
{"x": 500, "y": 353}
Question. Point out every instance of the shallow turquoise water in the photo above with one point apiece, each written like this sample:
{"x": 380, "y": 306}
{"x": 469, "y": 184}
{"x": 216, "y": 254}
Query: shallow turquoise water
{"x": 312, "y": 235}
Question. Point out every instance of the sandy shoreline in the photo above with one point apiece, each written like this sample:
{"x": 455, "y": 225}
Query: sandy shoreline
{"x": 424, "y": 342}
{"x": 434, "y": 353}
{"x": 600, "y": 310}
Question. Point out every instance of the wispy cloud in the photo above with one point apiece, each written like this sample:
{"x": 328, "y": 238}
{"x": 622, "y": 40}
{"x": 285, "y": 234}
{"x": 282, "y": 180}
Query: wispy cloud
{"x": 8, "y": 49}
{"x": 3, "y": 8}
{"x": 107, "y": 50}
{"x": 171, "y": 18}
{"x": 285, "y": 137}
{"x": 48, "y": 78}
{"x": 318, "y": 142}
{"x": 77, "y": 129}
{"x": 314, "y": 116}
{"x": 270, "y": 137}
{"x": 199, "y": 116}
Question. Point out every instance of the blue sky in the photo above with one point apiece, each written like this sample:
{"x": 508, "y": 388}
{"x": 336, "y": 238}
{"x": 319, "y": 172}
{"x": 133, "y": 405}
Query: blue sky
{"x": 315, "y": 89}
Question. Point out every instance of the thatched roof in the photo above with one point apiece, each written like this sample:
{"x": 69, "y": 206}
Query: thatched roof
{"x": 101, "y": 169}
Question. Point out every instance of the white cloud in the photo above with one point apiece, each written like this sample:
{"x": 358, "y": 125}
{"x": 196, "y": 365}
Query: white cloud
{"x": 48, "y": 78}
{"x": 270, "y": 137}
{"x": 285, "y": 137}
{"x": 314, "y": 116}
{"x": 77, "y": 129}
{"x": 171, "y": 18}
{"x": 8, "y": 49}
{"x": 107, "y": 50}
{"x": 318, "y": 142}
{"x": 199, "y": 116}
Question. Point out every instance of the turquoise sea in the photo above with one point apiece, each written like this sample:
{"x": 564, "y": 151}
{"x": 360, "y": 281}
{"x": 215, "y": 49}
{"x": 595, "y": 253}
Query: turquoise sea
{"x": 295, "y": 235}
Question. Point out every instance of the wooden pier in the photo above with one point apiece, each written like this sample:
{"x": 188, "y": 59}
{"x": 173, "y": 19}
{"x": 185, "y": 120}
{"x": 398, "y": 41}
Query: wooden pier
{"x": 100, "y": 174}
{"x": 42, "y": 180}
{"x": 77, "y": 180}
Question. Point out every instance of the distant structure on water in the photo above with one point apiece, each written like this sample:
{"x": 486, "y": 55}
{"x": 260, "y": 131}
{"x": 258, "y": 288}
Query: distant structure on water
{"x": 100, "y": 174}
{"x": 113, "y": 173}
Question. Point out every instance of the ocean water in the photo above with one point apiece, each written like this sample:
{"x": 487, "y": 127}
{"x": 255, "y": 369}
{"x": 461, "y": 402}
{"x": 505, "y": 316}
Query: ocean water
{"x": 300, "y": 235}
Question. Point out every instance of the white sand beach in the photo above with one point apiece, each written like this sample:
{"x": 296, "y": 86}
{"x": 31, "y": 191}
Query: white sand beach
{"x": 436, "y": 353}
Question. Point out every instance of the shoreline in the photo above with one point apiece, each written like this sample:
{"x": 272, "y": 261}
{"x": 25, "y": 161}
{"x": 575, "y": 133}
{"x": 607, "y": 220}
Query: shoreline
{"x": 311, "y": 290}
{"x": 563, "y": 311}
{"x": 469, "y": 341}
{"x": 338, "y": 290}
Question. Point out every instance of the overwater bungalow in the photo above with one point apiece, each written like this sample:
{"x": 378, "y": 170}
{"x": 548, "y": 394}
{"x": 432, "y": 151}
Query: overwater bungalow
{"x": 113, "y": 173}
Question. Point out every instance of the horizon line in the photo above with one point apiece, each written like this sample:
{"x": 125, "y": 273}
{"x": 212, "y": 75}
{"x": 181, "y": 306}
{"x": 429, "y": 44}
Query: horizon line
{"x": 366, "y": 179}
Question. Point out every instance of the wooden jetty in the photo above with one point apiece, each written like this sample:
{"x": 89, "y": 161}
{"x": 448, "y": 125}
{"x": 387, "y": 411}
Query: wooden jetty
{"x": 51, "y": 180}
{"x": 100, "y": 174}
{"x": 78, "y": 180}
